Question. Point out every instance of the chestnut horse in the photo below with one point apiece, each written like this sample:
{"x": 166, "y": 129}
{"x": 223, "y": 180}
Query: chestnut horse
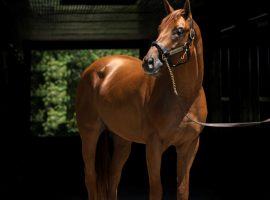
{"x": 137, "y": 101}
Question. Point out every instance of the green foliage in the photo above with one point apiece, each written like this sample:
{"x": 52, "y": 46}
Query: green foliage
{"x": 54, "y": 78}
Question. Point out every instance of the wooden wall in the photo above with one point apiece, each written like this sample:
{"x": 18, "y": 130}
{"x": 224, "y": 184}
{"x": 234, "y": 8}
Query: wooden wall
{"x": 56, "y": 22}
{"x": 238, "y": 71}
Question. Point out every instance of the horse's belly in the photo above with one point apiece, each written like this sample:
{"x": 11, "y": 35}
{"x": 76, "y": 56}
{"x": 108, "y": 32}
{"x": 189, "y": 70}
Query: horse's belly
{"x": 123, "y": 121}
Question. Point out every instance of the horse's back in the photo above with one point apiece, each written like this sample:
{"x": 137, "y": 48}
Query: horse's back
{"x": 111, "y": 62}
{"x": 111, "y": 70}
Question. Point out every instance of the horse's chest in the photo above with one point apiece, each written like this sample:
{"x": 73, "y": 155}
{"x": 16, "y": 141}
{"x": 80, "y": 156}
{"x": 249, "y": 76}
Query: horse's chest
{"x": 170, "y": 125}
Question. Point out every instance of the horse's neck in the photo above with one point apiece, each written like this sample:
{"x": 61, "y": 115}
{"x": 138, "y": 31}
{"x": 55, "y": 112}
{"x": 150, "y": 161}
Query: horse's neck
{"x": 188, "y": 79}
{"x": 194, "y": 69}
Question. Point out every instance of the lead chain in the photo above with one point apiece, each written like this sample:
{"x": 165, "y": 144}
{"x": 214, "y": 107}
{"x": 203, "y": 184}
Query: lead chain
{"x": 171, "y": 75}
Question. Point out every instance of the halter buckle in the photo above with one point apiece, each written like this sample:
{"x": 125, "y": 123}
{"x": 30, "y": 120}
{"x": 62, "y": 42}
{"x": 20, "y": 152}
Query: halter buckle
{"x": 192, "y": 34}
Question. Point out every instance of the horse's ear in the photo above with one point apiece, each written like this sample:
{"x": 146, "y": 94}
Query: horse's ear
{"x": 168, "y": 7}
{"x": 187, "y": 9}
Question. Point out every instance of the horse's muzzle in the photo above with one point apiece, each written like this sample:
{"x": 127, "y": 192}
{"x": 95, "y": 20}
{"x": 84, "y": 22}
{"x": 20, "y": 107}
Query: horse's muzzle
{"x": 151, "y": 66}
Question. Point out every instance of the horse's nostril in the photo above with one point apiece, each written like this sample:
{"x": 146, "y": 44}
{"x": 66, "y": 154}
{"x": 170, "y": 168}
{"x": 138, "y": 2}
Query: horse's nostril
{"x": 149, "y": 65}
{"x": 151, "y": 61}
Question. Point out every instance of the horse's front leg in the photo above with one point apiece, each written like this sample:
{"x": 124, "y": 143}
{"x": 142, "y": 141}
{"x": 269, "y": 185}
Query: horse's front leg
{"x": 121, "y": 153}
{"x": 185, "y": 156}
{"x": 153, "y": 157}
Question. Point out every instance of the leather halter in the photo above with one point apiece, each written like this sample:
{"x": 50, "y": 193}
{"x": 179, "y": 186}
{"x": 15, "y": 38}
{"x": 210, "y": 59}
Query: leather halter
{"x": 184, "y": 50}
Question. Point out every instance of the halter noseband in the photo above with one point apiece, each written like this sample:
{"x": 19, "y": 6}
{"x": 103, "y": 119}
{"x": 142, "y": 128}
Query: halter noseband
{"x": 185, "y": 49}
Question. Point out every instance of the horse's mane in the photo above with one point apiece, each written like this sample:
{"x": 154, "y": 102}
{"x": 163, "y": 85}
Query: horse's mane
{"x": 167, "y": 21}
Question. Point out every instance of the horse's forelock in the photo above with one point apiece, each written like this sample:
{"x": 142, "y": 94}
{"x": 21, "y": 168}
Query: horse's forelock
{"x": 171, "y": 18}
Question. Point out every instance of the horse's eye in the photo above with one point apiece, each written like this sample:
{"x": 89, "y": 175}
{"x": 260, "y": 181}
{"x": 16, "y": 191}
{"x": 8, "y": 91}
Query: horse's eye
{"x": 180, "y": 31}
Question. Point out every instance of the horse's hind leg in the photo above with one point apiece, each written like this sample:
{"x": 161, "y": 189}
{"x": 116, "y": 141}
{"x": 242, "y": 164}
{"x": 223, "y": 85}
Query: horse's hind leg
{"x": 89, "y": 127}
{"x": 89, "y": 139}
{"x": 121, "y": 153}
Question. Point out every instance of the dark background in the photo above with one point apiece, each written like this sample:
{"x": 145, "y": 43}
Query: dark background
{"x": 230, "y": 164}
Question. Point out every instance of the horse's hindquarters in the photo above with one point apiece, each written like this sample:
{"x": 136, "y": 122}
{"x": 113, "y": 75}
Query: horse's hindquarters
{"x": 115, "y": 91}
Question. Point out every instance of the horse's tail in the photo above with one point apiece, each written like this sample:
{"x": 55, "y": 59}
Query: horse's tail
{"x": 103, "y": 159}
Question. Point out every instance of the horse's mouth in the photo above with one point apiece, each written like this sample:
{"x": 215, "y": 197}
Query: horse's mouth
{"x": 155, "y": 73}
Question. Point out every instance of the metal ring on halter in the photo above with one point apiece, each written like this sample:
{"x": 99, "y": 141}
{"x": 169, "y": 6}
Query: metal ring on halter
{"x": 161, "y": 49}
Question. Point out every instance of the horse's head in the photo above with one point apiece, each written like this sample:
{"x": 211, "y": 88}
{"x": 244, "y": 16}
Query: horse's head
{"x": 175, "y": 31}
